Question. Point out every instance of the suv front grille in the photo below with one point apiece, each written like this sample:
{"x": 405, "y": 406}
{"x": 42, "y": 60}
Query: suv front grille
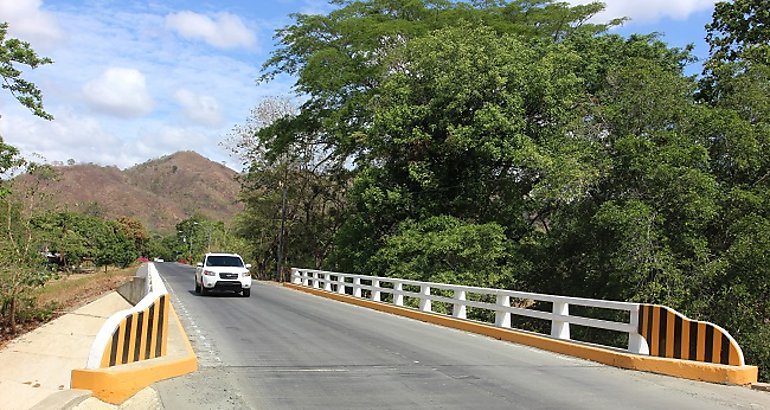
{"x": 228, "y": 275}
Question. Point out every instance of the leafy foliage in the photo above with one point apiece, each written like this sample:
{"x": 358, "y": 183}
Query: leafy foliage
{"x": 740, "y": 30}
{"x": 76, "y": 237}
{"x": 448, "y": 250}
{"x": 22, "y": 267}
{"x": 511, "y": 144}
{"x": 12, "y": 52}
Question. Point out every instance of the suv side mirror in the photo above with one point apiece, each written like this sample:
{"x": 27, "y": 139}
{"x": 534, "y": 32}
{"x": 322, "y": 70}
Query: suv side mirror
{"x": 199, "y": 264}
{"x": 248, "y": 266}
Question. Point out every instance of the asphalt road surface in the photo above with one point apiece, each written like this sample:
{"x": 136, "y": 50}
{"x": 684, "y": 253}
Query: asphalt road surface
{"x": 282, "y": 349}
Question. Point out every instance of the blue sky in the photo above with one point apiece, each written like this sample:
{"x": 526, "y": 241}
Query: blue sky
{"x": 137, "y": 79}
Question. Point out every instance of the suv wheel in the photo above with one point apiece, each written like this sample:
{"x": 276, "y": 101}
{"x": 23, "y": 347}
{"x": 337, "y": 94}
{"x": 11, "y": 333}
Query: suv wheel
{"x": 246, "y": 293}
{"x": 204, "y": 291}
{"x": 197, "y": 288}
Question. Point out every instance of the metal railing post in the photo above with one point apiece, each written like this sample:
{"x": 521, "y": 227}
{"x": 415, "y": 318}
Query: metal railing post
{"x": 503, "y": 317}
{"x": 560, "y": 329}
{"x": 376, "y": 290}
{"x": 315, "y": 280}
{"x": 357, "y": 287}
{"x": 341, "y": 284}
{"x": 398, "y": 298}
{"x": 328, "y": 283}
{"x": 636, "y": 343}
{"x": 459, "y": 308}
{"x": 425, "y": 302}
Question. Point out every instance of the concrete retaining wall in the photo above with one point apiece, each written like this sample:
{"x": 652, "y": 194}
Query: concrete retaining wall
{"x": 134, "y": 290}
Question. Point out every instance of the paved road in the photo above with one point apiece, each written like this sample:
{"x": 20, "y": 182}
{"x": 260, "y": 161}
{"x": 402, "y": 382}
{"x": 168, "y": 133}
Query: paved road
{"x": 281, "y": 349}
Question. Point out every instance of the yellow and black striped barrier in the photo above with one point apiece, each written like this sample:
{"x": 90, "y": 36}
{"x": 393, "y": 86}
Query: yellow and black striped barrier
{"x": 130, "y": 351}
{"x": 141, "y": 335}
{"x": 672, "y": 335}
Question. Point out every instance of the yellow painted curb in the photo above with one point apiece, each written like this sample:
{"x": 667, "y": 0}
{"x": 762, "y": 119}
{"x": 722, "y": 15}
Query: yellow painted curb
{"x": 715, "y": 373}
{"x": 118, "y": 383}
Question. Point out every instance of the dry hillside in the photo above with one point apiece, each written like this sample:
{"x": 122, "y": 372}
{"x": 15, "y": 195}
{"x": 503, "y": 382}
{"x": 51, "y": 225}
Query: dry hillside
{"x": 160, "y": 192}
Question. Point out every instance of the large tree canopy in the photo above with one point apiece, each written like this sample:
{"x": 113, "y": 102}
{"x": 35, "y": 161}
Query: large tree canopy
{"x": 511, "y": 143}
{"x": 740, "y": 30}
{"x": 341, "y": 59}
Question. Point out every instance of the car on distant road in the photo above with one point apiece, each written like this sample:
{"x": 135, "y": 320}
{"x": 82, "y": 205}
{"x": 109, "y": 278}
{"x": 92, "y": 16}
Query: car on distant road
{"x": 223, "y": 271}
{"x": 158, "y": 260}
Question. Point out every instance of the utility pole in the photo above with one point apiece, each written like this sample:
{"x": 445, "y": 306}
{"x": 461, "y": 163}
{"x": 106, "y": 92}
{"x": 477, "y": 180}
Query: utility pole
{"x": 192, "y": 234}
{"x": 184, "y": 240}
{"x": 279, "y": 263}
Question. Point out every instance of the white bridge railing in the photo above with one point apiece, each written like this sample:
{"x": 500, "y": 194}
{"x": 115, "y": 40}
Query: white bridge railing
{"x": 559, "y": 316}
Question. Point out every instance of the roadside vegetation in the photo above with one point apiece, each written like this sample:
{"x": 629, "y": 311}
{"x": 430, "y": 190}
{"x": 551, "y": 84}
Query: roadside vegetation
{"x": 518, "y": 144}
{"x": 514, "y": 144}
{"x": 61, "y": 295}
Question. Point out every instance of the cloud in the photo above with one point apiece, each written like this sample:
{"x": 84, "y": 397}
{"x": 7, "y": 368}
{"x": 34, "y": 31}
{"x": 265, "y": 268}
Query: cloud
{"x": 121, "y": 92}
{"x": 30, "y": 23}
{"x": 177, "y": 138}
{"x": 122, "y": 60}
{"x": 650, "y": 11}
{"x": 224, "y": 30}
{"x": 88, "y": 139}
{"x": 54, "y": 140}
{"x": 201, "y": 109}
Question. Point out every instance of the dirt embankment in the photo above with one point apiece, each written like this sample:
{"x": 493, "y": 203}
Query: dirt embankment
{"x": 66, "y": 294}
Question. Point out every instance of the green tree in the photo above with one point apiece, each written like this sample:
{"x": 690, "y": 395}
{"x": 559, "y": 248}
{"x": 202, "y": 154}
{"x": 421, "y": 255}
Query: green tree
{"x": 293, "y": 196}
{"x": 135, "y": 231}
{"x": 12, "y": 52}
{"x": 113, "y": 246}
{"x": 448, "y": 250}
{"x": 739, "y": 41}
{"x": 9, "y": 160}
{"x": 341, "y": 59}
{"x": 740, "y": 30}
{"x": 23, "y": 266}
{"x": 587, "y": 162}
{"x": 15, "y": 52}
{"x": 77, "y": 237}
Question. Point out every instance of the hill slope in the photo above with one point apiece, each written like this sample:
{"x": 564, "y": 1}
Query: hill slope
{"x": 159, "y": 192}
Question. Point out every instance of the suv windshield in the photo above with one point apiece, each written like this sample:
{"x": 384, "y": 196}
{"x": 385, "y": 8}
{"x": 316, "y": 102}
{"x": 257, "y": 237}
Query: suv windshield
{"x": 224, "y": 261}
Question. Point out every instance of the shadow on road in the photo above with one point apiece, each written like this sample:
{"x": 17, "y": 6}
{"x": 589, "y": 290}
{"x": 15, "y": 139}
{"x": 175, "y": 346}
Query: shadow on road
{"x": 217, "y": 293}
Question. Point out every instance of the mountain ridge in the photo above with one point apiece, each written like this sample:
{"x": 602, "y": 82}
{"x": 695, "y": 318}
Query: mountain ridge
{"x": 159, "y": 192}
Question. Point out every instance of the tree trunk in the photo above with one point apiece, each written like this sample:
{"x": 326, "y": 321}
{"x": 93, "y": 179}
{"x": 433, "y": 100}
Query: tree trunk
{"x": 12, "y": 313}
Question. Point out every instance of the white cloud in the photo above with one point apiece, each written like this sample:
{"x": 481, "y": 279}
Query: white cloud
{"x": 224, "y": 30}
{"x": 30, "y": 23}
{"x": 119, "y": 91}
{"x": 651, "y": 10}
{"x": 165, "y": 139}
{"x": 88, "y": 139}
{"x": 55, "y": 140}
{"x": 122, "y": 60}
{"x": 201, "y": 109}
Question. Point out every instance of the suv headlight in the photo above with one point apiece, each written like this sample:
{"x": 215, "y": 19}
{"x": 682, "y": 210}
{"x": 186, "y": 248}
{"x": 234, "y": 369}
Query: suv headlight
{"x": 209, "y": 273}
{"x": 246, "y": 274}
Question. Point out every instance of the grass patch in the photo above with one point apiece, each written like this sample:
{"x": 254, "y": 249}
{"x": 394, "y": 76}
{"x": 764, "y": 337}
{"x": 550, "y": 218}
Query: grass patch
{"x": 63, "y": 295}
{"x": 70, "y": 291}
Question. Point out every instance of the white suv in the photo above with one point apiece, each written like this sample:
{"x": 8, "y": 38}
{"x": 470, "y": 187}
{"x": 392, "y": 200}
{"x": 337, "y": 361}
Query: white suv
{"x": 223, "y": 271}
